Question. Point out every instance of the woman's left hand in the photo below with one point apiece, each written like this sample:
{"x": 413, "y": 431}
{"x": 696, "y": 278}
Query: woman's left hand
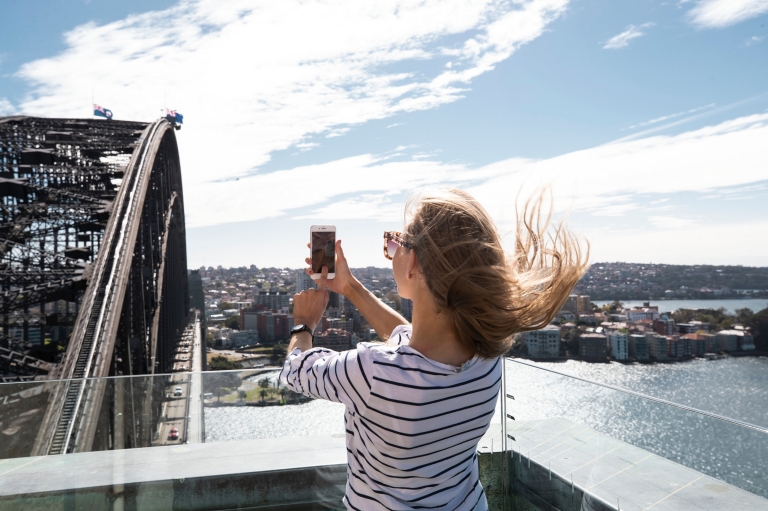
{"x": 309, "y": 305}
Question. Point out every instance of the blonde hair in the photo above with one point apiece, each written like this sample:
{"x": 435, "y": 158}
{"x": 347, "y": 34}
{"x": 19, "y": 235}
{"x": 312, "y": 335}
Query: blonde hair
{"x": 492, "y": 295}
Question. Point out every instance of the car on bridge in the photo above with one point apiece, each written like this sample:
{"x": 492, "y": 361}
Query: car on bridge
{"x": 173, "y": 434}
{"x": 177, "y": 391}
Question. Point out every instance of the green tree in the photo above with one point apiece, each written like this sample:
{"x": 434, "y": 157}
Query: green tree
{"x": 758, "y": 324}
{"x": 613, "y": 307}
{"x": 279, "y": 352}
{"x": 743, "y": 316}
{"x": 263, "y": 394}
{"x": 283, "y": 392}
{"x": 220, "y": 384}
{"x": 219, "y": 363}
{"x": 264, "y": 383}
{"x": 233, "y": 322}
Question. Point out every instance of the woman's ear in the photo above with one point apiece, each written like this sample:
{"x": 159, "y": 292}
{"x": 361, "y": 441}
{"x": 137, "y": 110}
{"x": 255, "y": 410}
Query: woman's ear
{"x": 412, "y": 268}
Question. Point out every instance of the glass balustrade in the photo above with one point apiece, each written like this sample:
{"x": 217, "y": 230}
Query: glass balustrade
{"x": 565, "y": 442}
{"x": 574, "y": 443}
{"x": 183, "y": 440}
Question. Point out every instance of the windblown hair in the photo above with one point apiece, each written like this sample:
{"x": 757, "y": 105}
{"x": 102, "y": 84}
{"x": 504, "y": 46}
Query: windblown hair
{"x": 492, "y": 295}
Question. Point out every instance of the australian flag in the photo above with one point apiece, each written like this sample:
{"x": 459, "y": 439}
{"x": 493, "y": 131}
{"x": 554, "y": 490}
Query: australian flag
{"x": 100, "y": 111}
{"x": 174, "y": 116}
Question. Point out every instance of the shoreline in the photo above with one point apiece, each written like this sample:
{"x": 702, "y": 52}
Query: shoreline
{"x": 261, "y": 404}
{"x": 719, "y": 356}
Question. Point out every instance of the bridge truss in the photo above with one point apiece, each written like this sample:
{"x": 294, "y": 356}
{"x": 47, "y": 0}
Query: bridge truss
{"x": 93, "y": 277}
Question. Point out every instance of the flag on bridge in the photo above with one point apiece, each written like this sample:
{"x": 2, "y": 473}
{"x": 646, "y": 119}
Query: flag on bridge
{"x": 100, "y": 111}
{"x": 174, "y": 116}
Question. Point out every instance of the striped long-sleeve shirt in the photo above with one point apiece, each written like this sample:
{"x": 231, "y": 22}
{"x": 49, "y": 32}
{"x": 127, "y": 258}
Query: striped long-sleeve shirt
{"x": 412, "y": 424}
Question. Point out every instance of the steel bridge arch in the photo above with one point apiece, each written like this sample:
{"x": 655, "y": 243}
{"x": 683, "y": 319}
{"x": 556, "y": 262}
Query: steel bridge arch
{"x": 127, "y": 282}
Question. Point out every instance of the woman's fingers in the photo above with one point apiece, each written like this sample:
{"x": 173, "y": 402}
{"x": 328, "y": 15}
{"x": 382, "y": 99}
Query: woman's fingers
{"x": 322, "y": 283}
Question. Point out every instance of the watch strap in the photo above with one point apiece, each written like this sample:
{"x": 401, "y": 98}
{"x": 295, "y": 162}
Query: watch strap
{"x": 304, "y": 328}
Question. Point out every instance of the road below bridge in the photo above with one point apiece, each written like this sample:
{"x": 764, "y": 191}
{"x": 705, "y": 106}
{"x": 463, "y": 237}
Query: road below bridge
{"x": 182, "y": 410}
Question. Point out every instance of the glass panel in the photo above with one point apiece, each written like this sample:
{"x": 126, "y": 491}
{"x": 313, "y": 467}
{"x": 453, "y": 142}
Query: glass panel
{"x": 167, "y": 409}
{"x": 215, "y": 423}
{"x": 258, "y": 408}
{"x": 573, "y": 439}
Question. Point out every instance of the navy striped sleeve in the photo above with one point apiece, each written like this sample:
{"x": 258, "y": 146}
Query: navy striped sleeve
{"x": 320, "y": 373}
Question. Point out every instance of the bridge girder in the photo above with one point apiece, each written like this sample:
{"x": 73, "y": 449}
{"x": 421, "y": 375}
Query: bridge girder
{"x": 92, "y": 259}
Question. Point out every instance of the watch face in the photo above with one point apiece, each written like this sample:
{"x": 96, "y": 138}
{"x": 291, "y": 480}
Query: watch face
{"x": 297, "y": 327}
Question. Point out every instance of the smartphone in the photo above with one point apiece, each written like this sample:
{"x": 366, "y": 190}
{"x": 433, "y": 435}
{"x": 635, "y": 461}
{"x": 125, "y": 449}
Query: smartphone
{"x": 322, "y": 249}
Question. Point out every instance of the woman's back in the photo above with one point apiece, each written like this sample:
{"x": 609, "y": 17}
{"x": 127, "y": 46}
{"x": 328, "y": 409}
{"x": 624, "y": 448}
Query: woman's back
{"x": 412, "y": 424}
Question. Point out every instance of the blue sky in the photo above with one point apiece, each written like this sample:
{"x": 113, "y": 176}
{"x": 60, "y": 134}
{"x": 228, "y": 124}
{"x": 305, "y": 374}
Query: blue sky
{"x": 649, "y": 119}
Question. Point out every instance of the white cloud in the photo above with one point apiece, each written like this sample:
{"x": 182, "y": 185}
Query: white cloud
{"x": 622, "y": 40}
{"x": 724, "y": 155}
{"x": 337, "y": 132}
{"x": 723, "y": 13}
{"x": 670, "y": 116}
{"x": 253, "y": 78}
{"x": 600, "y": 183}
{"x": 306, "y": 146}
{"x": 671, "y": 222}
{"x": 333, "y": 189}
{"x": 6, "y": 108}
{"x": 682, "y": 245}
{"x": 753, "y": 40}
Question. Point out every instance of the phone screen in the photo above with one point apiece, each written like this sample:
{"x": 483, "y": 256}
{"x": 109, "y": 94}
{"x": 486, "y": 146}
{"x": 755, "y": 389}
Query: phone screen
{"x": 323, "y": 251}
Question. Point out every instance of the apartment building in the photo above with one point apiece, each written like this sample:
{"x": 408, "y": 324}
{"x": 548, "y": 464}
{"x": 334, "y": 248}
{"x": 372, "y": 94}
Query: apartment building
{"x": 638, "y": 347}
{"x": 593, "y": 346}
{"x": 664, "y": 326}
{"x": 657, "y": 346}
{"x": 333, "y": 339}
{"x": 698, "y": 344}
{"x": 544, "y": 343}
{"x": 347, "y": 324}
{"x": 619, "y": 343}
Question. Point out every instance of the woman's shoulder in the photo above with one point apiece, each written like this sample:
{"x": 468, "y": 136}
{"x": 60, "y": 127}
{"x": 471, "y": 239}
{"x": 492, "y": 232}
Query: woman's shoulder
{"x": 400, "y": 335}
{"x": 386, "y": 354}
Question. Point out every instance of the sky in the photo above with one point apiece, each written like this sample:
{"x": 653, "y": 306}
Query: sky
{"x": 648, "y": 120}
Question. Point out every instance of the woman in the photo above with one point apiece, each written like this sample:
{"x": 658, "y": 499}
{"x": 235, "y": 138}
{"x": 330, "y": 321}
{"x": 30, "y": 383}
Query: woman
{"x": 417, "y": 406}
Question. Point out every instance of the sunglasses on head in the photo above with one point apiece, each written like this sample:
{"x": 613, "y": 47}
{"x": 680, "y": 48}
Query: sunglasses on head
{"x": 392, "y": 240}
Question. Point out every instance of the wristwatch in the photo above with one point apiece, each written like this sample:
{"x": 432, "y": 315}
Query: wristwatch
{"x": 302, "y": 328}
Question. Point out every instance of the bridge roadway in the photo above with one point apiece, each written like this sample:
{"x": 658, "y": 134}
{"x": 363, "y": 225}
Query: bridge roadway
{"x": 185, "y": 411}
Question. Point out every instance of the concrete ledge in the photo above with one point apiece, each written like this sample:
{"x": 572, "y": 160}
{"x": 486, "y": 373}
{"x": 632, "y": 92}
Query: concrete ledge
{"x": 284, "y": 473}
{"x": 553, "y": 465}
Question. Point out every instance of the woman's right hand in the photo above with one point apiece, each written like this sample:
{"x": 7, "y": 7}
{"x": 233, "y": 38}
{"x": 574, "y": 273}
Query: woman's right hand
{"x": 344, "y": 279}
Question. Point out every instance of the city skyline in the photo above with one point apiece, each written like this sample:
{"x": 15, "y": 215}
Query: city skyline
{"x": 648, "y": 119}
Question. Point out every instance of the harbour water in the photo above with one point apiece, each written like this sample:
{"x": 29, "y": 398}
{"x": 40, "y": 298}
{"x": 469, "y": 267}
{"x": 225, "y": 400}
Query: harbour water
{"x": 735, "y": 387}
